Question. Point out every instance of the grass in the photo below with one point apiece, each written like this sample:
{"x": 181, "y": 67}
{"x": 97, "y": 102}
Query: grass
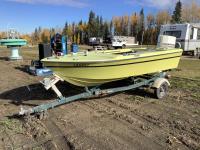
{"x": 188, "y": 68}
{"x": 11, "y": 125}
{"x": 187, "y": 77}
{"x": 37, "y": 148}
{"x": 196, "y": 111}
{"x": 185, "y": 83}
{"x": 136, "y": 98}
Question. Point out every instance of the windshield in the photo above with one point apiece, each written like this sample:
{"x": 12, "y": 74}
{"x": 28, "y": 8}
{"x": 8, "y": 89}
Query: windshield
{"x": 116, "y": 40}
{"x": 177, "y": 34}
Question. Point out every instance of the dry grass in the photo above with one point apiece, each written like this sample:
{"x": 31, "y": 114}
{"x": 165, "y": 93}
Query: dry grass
{"x": 188, "y": 68}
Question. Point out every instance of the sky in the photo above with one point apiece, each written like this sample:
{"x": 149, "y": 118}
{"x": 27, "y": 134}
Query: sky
{"x": 26, "y": 15}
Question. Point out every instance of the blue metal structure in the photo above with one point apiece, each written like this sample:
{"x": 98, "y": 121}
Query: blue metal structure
{"x": 64, "y": 45}
{"x": 59, "y": 43}
{"x": 74, "y": 48}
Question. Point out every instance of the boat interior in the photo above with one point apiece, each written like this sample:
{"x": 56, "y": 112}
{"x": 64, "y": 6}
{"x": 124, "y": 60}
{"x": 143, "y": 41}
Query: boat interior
{"x": 105, "y": 55}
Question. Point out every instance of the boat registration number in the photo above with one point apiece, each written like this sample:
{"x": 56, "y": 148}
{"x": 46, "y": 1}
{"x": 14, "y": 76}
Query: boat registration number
{"x": 80, "y": 65}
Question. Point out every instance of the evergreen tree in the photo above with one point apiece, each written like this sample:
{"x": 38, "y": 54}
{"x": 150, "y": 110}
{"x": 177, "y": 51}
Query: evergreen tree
{"x": 39, "y": 30}
{"x": 81, "y": 31}
{"x": 176, "y": 17}
{"x": 111, "y": 28}
{"x": 101, "y": 27}
{"x": 97, "y": 26}
{"x": 65, "y": 29}
{"x": 92, "y": 24}
{"x": 52, "y": 31}
{"x": 73, "y": 32}
{"x": 106, "y": 30}
{"x": 36, "y": 36}
{"x": 141, "y": 27}
{"x": 85, "y": 33}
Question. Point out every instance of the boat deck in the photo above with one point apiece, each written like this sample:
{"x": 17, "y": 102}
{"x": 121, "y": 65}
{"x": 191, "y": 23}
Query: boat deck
{"x": 110, "y": 55}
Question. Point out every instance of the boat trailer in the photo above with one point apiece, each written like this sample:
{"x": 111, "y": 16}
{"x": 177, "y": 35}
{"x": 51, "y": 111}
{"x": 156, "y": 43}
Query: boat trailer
{"x": 157, "y": 81}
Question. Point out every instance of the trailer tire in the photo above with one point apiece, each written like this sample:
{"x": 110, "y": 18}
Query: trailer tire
{"x": 178, "y": 45}
{"x": 123, "y": 46}
{"x": 161, "y": 91}
{"x": 195, "y": 53}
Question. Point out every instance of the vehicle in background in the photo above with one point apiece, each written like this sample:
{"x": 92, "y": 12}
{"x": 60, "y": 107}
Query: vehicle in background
{"x": 98, "y": 43}
{"x": 187, "y": 36}
{"x": 113, "y": 42}
{"x": 123, "y": 41}
{"x": 100, "y": 47}
{"x": 94, "y": 41}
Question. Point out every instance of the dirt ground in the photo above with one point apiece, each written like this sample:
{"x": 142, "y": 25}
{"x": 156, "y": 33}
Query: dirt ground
{"x": 128, "y": 120}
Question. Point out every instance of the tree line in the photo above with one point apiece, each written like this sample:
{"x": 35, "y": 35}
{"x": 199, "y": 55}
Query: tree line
{"x": 144, "y": 28}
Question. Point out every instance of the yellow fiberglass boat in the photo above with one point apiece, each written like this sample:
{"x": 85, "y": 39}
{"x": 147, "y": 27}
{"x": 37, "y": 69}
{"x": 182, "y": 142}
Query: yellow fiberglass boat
{"x": 99, "y": 67}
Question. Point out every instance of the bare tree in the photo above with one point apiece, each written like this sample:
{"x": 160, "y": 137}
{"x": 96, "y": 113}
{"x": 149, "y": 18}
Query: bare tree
{"x": 191, "y": 12}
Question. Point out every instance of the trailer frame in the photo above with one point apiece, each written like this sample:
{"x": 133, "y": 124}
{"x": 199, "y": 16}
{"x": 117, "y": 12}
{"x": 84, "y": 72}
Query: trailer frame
{"x": 155, "y": 81}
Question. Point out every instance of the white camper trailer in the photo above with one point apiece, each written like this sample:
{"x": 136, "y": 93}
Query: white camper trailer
{"x": 187, "y": 36}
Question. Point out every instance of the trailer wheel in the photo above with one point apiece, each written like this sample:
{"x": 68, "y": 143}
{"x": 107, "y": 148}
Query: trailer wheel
{"x": 123, "y": 46}
{"x": 161, "y": 92}
{"x": 195, "y": 53}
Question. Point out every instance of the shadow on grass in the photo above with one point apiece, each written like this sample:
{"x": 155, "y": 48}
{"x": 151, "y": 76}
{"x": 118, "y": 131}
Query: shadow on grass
{"x": 27, "y": 94}
{"x": 35, "y": 92}
{"x": 23, "y": 68}
{"x": 24, "y": 93}
{"x": 142, "y": 93}
{"x": 4, "y": 58}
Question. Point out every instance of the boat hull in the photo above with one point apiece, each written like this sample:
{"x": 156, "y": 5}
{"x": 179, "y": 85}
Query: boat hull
{"x": 93, "y": 74}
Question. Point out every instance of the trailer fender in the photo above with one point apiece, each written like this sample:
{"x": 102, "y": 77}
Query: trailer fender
{"x": 157, "y": 83}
